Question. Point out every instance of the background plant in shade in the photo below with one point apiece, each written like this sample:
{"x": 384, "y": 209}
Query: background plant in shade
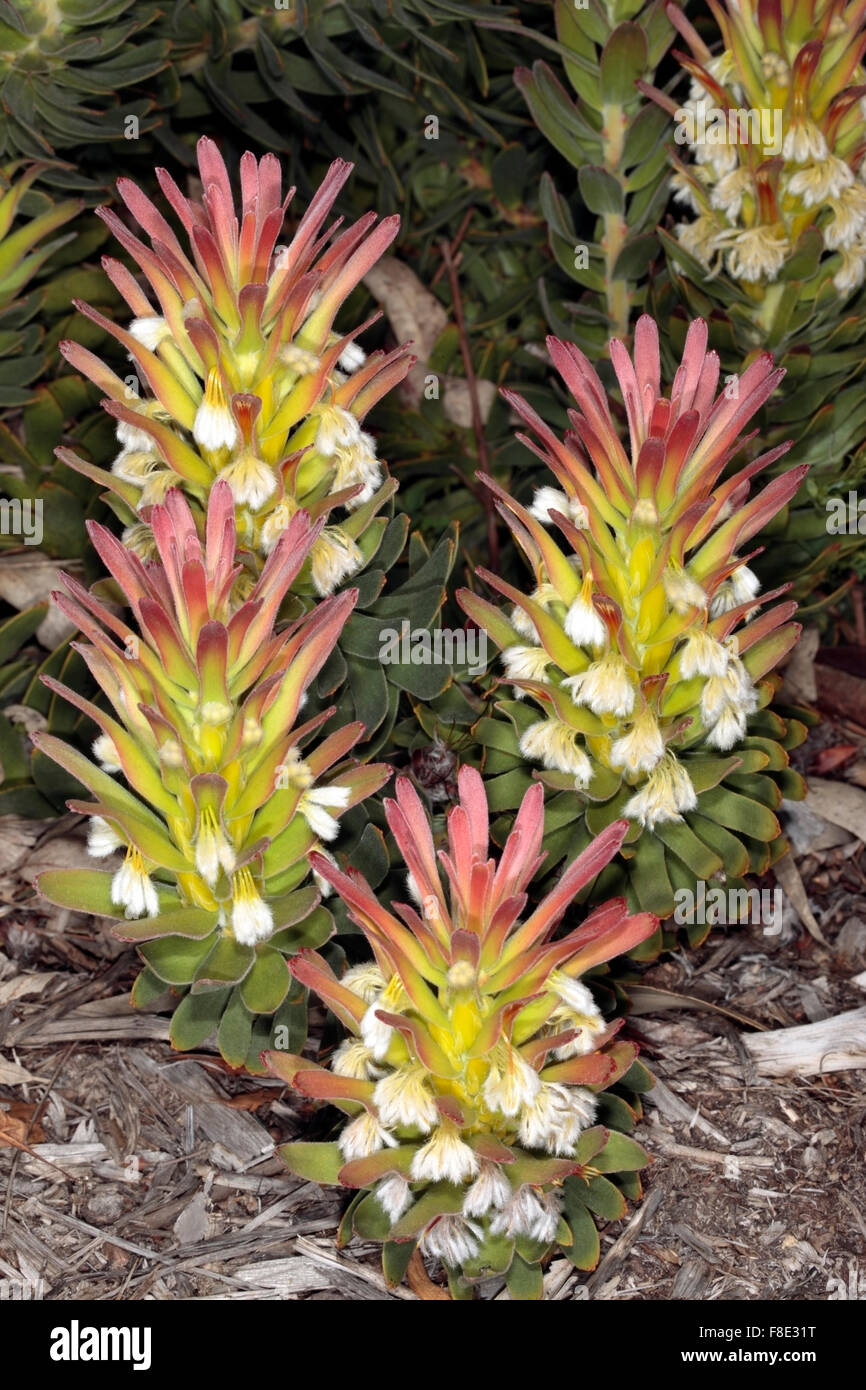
{"x": 642, "y": 641}
{"x": 436, "y": 64}
{"x": 225, "y": 792}
{"x": 616, "y": 142}
{"x": 769, "y": 243}
{"x": 478, "y": 1060}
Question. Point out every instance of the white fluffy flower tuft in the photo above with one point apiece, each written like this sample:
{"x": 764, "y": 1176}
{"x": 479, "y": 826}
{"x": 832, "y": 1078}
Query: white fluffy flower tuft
{"x": 605, "y": 687}
{"x": 583, "y": 625}
{"x": 554, "y": 744}
{"x": 403, "y": 1100}
{"x": 702, "y": 655}
{"x": 444, "y": 1158}
{"x": 106, "y": 754}
{"x": 338, "y": 429}
{"x": 353, "y": 1058}
{"x": 666, "y": 794}
{"x": 529, "y": 1213}
{"x": 552, "y": 499}
{"x": 511, "y": 1082}
{"x": 491, "y": 1191}
{"x": 102, "y": 838}
{"x": 364, "y": 1136}
{"x": 394, "y": 1196}
{"x": 525, "y": 664}
{"x": 334, "y": 557}
{"x": 312, "y": 807}
{"x": 452, "y": 1239}
{"x": 641, "y": 748}
{"x": 351, "y": 358}
{"x": 555, "y": 1119}
{"x": 132, "y": 889}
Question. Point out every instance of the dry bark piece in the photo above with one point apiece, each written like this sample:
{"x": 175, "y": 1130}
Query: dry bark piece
{"x": 811, "y": 1049}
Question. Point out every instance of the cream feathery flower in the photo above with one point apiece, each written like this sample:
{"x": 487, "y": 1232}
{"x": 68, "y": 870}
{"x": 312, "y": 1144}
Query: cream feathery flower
{"x": 251, "y": 480}
{"x": 490, "y": 1191}
{"x": 403, "y": 1100}
{"x": 523, "y": 624}
{"x": 353, "y": 1058}
{"x": 150, "y": 330}
{"x": 544, "y": 595}
{"x": 582, "y": 623}
{"x": 275, "y": 523}
{"x": 102, "y": 838}
{"x": 136, "y": 465}
{"x": 578, "y": 997}
{"x": 212, "y": 849}
{"x": 452, "y": 1239}
{"x": 552, "y": 499}
{"x": 702, "y": 655}
{"x": 555, "y": 745}
{"x": 525, "y": 664}
{"x": 577, "y": 1010}
{"x": 804, "y": 142}
{"x": 312, "y": 807}
{"x": 106, "y": 754}
{"x": 849, "y": 218}
{"x": 333, "y": 558}
{"x": 740, "y": 586}
{"x": 605, "y": 687}
{"x": 214, "y": 425}
{"x": 364, "y": 1136}
{"x": 158, "y": 483}
{"x": 728, "y": 194}
{"x": 444, "y": 1158}
{"x": 130, "y": 436}
{"x": 375, "y": 1032}
{"x": 299, "y": 360}
{"x": 851, "y": 272}
{"x": 667, "y": 792}
{"x": 337, "y": 429}
{"x": 351, "y": 358}
{"x": 252, "y": 919}
{"x": 529, "y": 1213}
{"x": 732, "y": 690}
{"x": 758, "y": 253}
{"x": 698, "y": 238}
{"x": 729, "y": 728}
{"x": 641, "y": 748}
{"x": 367, "y": 981}
{"x": 824, "y": 179}
{"x": 683, "y": 187}
{"x": 357, "y": 464}
{"x": 683, "y": 592}
{"x": 394, "y": 1196}
{"x": 511, "y": 1082}
{"x": 132, "y": 889}
{"x": 556, "y": 1118}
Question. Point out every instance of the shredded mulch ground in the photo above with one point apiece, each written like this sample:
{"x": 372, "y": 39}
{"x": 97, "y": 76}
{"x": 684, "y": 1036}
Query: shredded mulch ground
{"x": 128, "y": 1172}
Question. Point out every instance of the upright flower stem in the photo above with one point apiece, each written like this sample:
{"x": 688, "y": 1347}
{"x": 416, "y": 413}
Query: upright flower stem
{"x": 472, "y": 383}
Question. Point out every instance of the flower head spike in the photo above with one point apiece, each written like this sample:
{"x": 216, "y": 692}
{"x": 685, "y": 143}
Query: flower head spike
{"x": 220, "y": 794}
{"x": 245, "y": 376}
{"x": 651, "y": 643}
{"x": 774, "y": 127}
{"x": 475, "y": 1134}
